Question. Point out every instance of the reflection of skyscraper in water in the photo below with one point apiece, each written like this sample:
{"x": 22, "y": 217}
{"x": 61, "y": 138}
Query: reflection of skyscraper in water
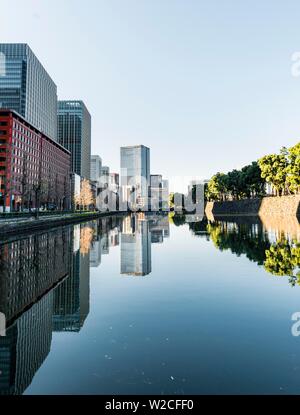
{"x": 72, "y": 296}
{"x": 135, "y": 246}
{"x": 114, "y": 237}
{"x": 30, "y": 266}
{"x": 159, "y": 227}
{"x": 105, "y": 244}
{"x": 95, "y": 251}
{"x": 26, "y": 346}
{"x": 106, "y": 235}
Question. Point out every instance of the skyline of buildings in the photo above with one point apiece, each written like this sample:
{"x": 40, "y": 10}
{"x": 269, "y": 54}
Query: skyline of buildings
{"x": 26, "y": 87}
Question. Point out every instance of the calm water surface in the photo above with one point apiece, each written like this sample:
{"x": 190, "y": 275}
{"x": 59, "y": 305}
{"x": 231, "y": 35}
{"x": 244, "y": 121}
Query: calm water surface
{"x": 152, "y": 305}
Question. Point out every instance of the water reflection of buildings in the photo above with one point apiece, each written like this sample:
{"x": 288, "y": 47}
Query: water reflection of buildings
{"x": 135, "y": 246}
{"x": 26, "y": 346}
{"x": 159, "y": 227}
{"x": 45, "y": 285}
{"x": 31, "y": 266}
{"x": 106, "y": 236}
{"x": 71, "y": 297}
{"x": 138, "y": 232}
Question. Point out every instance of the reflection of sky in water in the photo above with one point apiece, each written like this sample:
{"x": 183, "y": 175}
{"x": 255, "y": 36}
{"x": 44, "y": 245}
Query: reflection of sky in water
{"x": 201, "y": 321}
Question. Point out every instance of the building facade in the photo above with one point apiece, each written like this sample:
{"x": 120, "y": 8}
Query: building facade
{"x": 155, "y": 192}
{"x": 114, "y": 182}
{"x": 104, "y": 177}
{"x": 165, "y": 194}
{"x": 74, "y": 133}
{"x": 135, "y": 176}
{"x": 34, "y": 169}
{"x": 96, "y": 165}
{"x": 26, "y": 88}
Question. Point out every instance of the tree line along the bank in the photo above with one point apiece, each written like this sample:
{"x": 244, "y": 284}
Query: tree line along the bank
{"x": 280, "y": 171}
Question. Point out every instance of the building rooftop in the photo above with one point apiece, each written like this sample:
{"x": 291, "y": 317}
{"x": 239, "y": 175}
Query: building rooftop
{"x": 135, "y": 146}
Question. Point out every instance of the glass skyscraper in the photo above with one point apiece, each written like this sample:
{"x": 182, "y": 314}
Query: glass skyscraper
{"x": 26, "y": 87}
{"x": 96, "y": 165}
{"x": 135, "y": 175}
{"x": 74, "y": 133}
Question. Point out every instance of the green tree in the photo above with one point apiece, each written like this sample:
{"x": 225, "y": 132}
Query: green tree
{"x": 252, "y": 182}
{"x": 293, "y": 169}
{"x": 216, "y": 188}
{"x": 274, "y": 170}
{"x": 171, "y": 200}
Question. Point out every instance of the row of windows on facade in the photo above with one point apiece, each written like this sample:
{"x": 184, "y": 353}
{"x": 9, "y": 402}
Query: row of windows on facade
{"x": 31, "y": 147}
{"x": 31, "y": 156}
{"x": 19, "y": 187}
{"x": 33, "y": 172}
{"x": 18, "y": 167}
{"x": 23, "y": 130}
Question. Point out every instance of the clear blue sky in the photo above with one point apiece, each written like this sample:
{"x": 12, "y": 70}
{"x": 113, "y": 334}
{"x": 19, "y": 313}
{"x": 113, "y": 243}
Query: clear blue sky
{"x": 207, "y": 85}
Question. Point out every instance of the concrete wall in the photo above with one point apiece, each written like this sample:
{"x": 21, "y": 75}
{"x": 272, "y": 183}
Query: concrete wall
{"x": 275, "y": 206}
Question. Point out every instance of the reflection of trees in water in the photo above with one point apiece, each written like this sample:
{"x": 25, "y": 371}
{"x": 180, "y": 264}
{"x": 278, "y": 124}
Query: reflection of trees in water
{"x": 86, "y": 238}
{"x": 240, "y": 239}
{"x": 283, "y": 258}
{"x": 249, "y": 237}
{"x": 176, "y": 219}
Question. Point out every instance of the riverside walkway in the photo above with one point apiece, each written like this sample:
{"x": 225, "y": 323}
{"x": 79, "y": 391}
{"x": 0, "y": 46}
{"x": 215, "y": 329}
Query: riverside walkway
{"x": 25, "y": 224}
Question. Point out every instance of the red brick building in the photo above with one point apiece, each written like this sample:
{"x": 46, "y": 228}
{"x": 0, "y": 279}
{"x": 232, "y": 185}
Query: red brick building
{"x": 34, "y": 169}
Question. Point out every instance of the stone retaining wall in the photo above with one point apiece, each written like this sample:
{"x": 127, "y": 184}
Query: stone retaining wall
{"x": 267, "y": 206}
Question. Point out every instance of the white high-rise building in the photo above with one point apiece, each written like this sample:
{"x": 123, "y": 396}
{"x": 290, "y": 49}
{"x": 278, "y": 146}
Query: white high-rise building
{"x": 96, "y": 165}
{"x": 135, "y": 176}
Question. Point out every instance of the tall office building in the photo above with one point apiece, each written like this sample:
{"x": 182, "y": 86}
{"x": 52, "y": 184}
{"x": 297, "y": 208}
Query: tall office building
{"x": 156, "y": 192}
{"x": 165, "y": 194}
{"x": 96, "y": 165}
{"x": 104, "y": 177}
{"x": 114, "y": 182}
{"x": 135, "y": 175}
{"x": 26, "y": 87}
{"x": 74, "y": 133}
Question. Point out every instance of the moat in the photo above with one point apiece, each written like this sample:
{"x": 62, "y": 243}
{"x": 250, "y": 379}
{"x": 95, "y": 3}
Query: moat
{"x": 152, "y": 304}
